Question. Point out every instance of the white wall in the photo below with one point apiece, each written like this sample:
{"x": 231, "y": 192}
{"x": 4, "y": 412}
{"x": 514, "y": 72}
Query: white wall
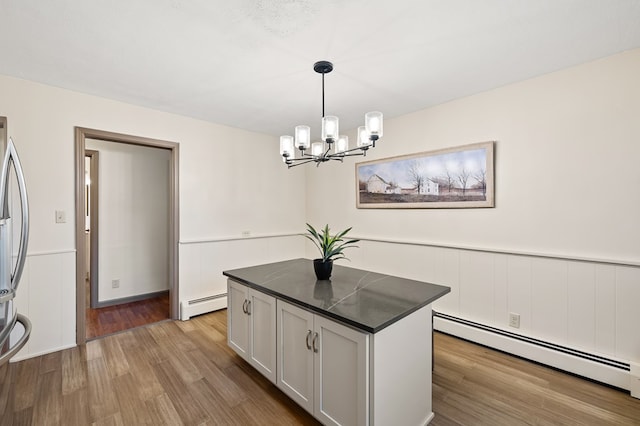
{"x": 227, "y": 185}
{"x": 566, "y": 184}
{"x": 133, "y": 219}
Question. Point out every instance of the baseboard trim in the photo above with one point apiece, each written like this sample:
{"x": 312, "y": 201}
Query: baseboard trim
{"x": 20, "y": 357}
{"x": 202, "y": 305}
{"x": 605, "y": 370}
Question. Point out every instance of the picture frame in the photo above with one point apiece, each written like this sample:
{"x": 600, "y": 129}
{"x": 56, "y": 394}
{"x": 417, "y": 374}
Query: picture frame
{"x": 458, "y": 177}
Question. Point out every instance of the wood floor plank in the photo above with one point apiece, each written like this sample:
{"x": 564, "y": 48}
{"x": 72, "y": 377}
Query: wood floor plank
{"x": 133, "y": 409}
{"x": 25, "y": 383}
{"x": 74, "y": 373}
{"x": 50, "y": 362}
{"x": 135, "y": 378}
{"x": 113, "y": 319}
{"x": 162, "y": 412}
{"x": 7, "y": 379}
{"x": 152, "y": 352}
{"x": 114, "y": 356}
{"x": 23, "y": 417}
{"x": 47, "y": 409}
{"x": 148, "y": 385}
{"x": 220, "y": 413}
{"x": 94, "y": 349}
{"x": 190, "y": 411}
{"x": 102, "y": 398}
{"x": 75, "y": 408}
{"x": 229, "y": 391}
{"x": 112, "y": 420}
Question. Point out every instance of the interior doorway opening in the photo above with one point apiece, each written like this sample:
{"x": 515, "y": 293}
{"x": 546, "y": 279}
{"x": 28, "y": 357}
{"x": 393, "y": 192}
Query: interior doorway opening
{"x": 100, "y": 300}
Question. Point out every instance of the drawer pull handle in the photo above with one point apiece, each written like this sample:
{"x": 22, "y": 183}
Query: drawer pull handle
{"x": 308, "y": 342}
{"x": 315, "y": 340}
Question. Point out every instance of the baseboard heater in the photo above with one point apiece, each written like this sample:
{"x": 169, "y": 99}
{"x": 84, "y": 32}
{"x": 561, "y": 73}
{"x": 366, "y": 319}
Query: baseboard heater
{"x": 202, "y": 305}
{"x": 595, "y": 367}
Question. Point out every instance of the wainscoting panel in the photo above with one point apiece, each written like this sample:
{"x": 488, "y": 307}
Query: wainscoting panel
{"x": 581, "y": 285}
{"x": 605, "y": 309}
{"x": 202, "y": 264}
{"x": 47, "y": 296}
{"x": 549, "y": 300}
{"x": 477, "y": 275}
{"x": 579, "y": 311}
{"x": 628, "y": 313}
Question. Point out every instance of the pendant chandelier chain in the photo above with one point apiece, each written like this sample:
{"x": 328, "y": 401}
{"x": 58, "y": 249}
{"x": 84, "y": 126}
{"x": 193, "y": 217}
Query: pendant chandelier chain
{"x": 323, "y": 95}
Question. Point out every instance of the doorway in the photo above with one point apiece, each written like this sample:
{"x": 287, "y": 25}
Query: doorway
{"x": 87, "y": 226}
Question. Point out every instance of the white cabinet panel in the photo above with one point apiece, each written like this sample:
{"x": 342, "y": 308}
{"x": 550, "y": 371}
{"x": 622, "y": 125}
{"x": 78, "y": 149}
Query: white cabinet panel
{"x": 237, "y": 321}
{"x": 295, "y": 355}
{"x": 251, "y": 327}
{"x": 261, "y": 311}
{"x": 340, "y": 374}
{"x": 323, "y": 366}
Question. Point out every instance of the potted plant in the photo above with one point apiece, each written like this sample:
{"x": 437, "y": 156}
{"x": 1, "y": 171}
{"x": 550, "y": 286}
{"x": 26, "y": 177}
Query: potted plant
{"x": 331, "y": 248}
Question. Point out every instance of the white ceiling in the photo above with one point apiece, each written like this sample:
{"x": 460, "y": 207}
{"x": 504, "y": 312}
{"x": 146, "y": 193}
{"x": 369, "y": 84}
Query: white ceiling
{"x": 249, "y": 63}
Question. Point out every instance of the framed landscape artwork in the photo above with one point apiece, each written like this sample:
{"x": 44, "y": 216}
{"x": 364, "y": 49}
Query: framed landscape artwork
{"x": 459, "y": 177}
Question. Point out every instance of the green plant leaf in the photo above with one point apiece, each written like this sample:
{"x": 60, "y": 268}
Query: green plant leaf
{"x": 330, "y": 246}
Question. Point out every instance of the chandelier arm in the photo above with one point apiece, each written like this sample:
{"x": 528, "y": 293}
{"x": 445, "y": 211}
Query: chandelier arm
{"x": 359, "y": 149}
{"x": 353, "y": 154}
{"x": 299, "y": 164}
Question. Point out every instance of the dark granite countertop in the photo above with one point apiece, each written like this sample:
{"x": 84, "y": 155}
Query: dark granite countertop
{"x": 366, "y": 300}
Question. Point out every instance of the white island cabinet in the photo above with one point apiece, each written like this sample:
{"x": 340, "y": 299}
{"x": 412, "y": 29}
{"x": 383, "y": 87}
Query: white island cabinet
{"x": 323, "y": 366}
{"x": 251, "y": 327}
{"x": 355, "y": 350}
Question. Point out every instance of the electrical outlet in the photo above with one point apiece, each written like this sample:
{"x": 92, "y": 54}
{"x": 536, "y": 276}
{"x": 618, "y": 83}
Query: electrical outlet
{"x": 514, "y": 320}
{"x": 246, "y": 233}
{"x": 115, "y": 283}
{"x": 61, "y": 216}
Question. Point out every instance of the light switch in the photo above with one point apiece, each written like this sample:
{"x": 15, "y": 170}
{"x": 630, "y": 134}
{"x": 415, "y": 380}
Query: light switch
{"x": 61, "y": 216}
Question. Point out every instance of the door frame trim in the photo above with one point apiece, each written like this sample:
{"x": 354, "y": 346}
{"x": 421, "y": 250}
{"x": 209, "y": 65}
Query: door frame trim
{"x": 94, "y": 218}
{"x": 81, "y": 134}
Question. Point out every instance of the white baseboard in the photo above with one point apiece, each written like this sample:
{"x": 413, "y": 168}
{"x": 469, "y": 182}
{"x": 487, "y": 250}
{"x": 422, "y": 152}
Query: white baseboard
{"x": 20, "y": 357}
{"x": 201, "y": 306}
{"x": 597, "y": 371}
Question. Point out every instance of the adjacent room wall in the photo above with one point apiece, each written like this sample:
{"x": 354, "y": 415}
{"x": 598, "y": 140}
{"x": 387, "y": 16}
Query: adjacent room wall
{"x": 561, "y": 247}
{"x": 226, "y": 188}
{"x": 133, "y": 219}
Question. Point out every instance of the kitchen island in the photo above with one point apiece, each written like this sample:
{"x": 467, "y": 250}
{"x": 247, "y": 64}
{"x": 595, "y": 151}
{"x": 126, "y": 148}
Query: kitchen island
{"x": 355, "y": 350}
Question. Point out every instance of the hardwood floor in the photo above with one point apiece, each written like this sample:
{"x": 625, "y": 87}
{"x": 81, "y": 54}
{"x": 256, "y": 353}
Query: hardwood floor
{"x": 112, "y": 319}
{"x": 177, "y": 372}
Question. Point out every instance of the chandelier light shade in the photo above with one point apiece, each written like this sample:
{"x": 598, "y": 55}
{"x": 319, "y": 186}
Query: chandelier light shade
{"x": 333, "y": 145}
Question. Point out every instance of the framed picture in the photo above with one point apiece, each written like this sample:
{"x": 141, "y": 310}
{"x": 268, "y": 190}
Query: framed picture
{"x": 459, "y": 177}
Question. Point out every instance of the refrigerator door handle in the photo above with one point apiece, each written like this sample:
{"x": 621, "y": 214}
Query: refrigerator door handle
{"x": 11, "y": 155}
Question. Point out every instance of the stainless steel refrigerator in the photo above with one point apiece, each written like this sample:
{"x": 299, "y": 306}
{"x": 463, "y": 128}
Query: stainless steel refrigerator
{"x": 14, "y": 229}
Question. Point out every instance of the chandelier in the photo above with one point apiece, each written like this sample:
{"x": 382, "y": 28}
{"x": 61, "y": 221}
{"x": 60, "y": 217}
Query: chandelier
{"x": 333, "y": 146}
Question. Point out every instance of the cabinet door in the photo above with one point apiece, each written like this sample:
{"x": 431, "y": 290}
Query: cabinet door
{"x": 295, "y": 356}
{"x": 262, "y": 331}
{"x": 237, "y": 319}
{"x": 341, "y": 374}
